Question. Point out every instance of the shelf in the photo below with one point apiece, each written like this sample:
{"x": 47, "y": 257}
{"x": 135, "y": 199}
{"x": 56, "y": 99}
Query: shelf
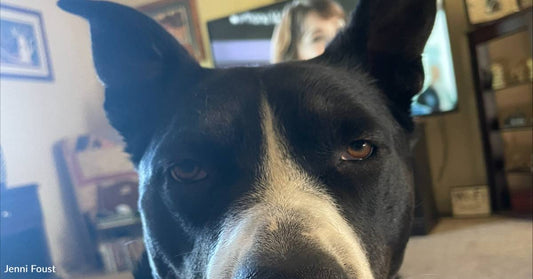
{"x": 507, "y": 42}
{"x": 515, "y": 129}
{"x": 513, "y": 85}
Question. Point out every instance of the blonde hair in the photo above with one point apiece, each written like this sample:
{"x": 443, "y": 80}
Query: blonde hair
{"x": 289, "y": 31}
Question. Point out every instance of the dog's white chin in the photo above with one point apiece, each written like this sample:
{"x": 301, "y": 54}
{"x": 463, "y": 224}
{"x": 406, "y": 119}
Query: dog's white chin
{"x": 286, "y": 197}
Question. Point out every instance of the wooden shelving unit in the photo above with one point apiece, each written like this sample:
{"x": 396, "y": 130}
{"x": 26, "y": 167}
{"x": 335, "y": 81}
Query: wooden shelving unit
{"x": 500, "y": 53}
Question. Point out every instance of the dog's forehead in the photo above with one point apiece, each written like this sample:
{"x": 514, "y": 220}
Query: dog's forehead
{"x": 222, "y": 104}
{"x": 225, "y": 106}
{"x": 324, "y": 89}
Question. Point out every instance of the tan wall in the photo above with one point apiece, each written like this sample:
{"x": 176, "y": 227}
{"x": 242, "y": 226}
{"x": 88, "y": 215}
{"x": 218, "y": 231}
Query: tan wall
{"x": 36, "y": 114}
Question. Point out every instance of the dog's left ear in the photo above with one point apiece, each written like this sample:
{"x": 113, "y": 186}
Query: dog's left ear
{"x": 386, "y": 38}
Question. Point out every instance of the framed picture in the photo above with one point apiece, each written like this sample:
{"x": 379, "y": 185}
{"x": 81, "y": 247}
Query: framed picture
{"x": 470, "y": 201}
{"x": 24, "y": 51}
{"x": 180, "y": 19}
{"x": 480, "y": 11}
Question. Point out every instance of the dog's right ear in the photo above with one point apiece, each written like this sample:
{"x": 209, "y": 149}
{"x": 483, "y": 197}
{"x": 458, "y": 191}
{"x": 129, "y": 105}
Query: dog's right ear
{"x": 385, "y": 38}
{"x": 135, "y": 58}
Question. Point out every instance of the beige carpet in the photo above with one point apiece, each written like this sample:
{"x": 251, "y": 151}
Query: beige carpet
{"x": 490, "y": 248}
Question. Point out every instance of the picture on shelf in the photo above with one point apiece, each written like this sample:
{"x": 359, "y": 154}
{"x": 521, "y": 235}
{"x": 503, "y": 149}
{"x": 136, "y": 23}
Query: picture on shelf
{"x": 180, "y": 19}
{"x": 517, "y": 119}
{"x": 24, "y": 53}
{"x": 470, "y": 201}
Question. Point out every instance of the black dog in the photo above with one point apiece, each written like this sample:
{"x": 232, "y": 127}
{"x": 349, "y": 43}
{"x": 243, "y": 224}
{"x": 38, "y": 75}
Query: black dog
{"x": 296, "y": 170}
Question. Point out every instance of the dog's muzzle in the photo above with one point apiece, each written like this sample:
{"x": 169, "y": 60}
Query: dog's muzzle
{"x": 285, "y": 247}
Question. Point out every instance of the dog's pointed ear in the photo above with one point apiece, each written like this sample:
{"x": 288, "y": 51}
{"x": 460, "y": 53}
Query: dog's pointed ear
{"x": 135, "y": 58}
{"x": 127, "y": 45}
{"x": 386, "y": 38}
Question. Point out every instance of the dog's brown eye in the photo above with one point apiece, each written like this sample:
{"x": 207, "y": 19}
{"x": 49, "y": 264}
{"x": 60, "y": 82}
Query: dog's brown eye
{"x": 187, "y": 171}
{"x": 358, "y": 150}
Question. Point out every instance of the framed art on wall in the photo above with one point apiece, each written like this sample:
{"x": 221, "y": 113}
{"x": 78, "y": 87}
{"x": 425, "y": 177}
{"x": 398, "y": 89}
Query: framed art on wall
{"x": 180, "y": 19}
{"x": 23, "y": 46}
{"x": 480, "y": 11}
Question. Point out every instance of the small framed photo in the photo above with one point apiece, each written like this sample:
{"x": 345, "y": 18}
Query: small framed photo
{"x": 180, "y": 19}
{"x": 24, "y": 50}
{"x": 480, "y": 11}
{"x": 470, "y": 201}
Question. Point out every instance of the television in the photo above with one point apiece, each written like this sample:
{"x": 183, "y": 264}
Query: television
{"x": 243, "y": 39}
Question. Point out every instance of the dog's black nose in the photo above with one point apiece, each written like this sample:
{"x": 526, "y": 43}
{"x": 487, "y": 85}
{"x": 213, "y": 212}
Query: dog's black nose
{"x": 307, "y": 265}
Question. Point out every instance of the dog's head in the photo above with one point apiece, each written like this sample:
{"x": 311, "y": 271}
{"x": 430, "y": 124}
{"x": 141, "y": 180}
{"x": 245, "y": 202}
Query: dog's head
{"x": 296, "y": 170}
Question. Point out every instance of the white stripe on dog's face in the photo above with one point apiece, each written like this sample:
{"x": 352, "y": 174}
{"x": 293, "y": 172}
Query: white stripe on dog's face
{"x": 286, "y": 197}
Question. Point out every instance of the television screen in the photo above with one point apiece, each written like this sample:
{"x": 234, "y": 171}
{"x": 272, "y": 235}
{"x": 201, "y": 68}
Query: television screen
{"x": 439, "y": 93}
{"x": 244, "y": 39}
